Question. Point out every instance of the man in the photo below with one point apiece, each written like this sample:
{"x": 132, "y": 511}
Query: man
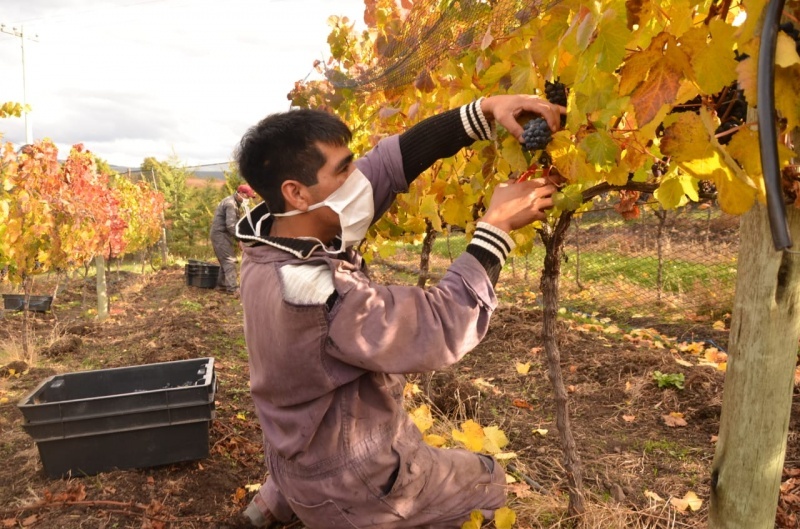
{"x": 223, "y": 231}
{"x": 328, "y": 347}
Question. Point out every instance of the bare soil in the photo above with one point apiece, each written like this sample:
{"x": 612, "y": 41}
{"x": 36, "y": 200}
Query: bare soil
{"x": 628, "y": 452}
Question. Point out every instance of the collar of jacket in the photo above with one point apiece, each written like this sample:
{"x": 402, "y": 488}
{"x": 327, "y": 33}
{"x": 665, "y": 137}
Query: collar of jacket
{"x": 246, "y": 232}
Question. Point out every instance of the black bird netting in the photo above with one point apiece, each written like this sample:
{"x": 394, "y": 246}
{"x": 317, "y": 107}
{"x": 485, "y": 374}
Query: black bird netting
{"x": 434, "y": 29}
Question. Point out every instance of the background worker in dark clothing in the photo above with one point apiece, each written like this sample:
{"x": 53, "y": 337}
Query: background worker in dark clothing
{"x": 223, "y": 230}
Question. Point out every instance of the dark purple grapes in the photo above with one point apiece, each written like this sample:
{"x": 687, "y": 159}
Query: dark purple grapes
{"x": 556, "y": 93}
{"x": 707, "y": 187}
{"x": 659, "y": 168}
{"x": 536, "y": 134}
{"x": 725, "y": 127}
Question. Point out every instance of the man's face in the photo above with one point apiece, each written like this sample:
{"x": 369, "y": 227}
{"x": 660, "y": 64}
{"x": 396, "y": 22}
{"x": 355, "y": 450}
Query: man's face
{"x": 338, "y": 166}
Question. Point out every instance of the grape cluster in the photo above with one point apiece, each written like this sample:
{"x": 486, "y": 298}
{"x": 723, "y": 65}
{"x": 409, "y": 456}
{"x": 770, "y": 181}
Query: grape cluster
{"x": 732, "y": 110}
{"x": 707, "y": 187}
{"x": 789, "y": 29}
{"x": 660, "y": 168}
{"x": 536, "y": 134}
{"x": 556, "y": 93}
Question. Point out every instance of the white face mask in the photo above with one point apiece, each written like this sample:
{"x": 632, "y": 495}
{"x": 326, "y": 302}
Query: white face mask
{"x": 354, "y": 204}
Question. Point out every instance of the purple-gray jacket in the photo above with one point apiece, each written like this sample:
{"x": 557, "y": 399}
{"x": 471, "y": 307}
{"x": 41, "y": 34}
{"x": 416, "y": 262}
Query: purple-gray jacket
{"x": 328, "y": 348}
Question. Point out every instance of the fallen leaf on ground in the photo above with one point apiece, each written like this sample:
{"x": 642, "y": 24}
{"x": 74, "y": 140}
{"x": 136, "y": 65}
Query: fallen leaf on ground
{"x": 674, "y": 420}
{"x": 523, "y": 369}
{"x": 540, "y": 431}
{"x": 653, "y": 496}
{"x": 689, "y": 501}
{"x": 629, "y": 418}
{"x": 519, "y": 403}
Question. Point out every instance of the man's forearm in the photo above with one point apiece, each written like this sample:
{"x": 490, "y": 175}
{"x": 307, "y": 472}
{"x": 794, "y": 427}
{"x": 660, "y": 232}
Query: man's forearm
{"x": 442, "y": 136}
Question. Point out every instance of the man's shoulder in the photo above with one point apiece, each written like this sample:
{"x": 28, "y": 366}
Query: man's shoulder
{"x": 307, "y": 283}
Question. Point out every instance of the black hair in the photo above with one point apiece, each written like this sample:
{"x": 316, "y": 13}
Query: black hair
{"x": 284, "y": 147}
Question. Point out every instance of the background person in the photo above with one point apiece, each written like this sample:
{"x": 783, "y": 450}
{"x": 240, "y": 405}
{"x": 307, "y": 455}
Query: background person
{"x": 328, "y": 347}
{"x": 223, "y": 231}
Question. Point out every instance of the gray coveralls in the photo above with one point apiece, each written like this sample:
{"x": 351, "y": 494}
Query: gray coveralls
{"x": 223, "y": 230}
{"x": 327, "y": 379}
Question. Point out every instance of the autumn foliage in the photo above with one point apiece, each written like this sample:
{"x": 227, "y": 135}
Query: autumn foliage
{"x": 59, "y": 215}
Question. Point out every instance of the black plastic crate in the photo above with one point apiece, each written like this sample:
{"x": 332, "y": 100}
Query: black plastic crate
{"x": 129, "y": 417}
{"x": 200, "y": 274}
{"x": 125, "y": 449}
{"x": 16, "y": 302}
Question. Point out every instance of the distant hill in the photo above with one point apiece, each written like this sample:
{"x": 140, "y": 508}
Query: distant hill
{"x": 215, "y": 172}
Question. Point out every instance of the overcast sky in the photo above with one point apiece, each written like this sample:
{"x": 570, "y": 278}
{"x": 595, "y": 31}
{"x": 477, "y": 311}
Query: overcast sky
{"x": 138, "y": 78}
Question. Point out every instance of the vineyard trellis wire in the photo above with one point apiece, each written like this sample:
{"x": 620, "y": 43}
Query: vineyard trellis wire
{"x": 662, "y": 262}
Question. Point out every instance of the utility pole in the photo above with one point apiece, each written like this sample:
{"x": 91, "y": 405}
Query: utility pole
{"x": 21, "y": 34}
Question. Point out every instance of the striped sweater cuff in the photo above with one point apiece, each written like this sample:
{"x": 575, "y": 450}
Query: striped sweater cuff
{"x": 490, "y": 246}
{"x": 475, "y": 122}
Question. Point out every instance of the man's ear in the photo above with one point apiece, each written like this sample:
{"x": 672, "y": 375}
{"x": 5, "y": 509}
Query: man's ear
{"x": 295, "y": 195}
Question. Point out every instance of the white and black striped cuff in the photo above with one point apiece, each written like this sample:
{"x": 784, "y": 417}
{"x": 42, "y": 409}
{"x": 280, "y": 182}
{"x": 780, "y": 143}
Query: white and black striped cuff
{"x": 494, "y": 240}
{"x": 475, "y": 123}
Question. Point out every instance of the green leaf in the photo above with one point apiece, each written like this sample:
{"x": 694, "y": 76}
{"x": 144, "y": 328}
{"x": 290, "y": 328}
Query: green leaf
{"x": 601, "y": 149}
{"x": 612, "y": 36}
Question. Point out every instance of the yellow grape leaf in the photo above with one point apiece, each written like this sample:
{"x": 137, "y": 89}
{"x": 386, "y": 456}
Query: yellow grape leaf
{"x": 241, "y": 416}
{"x": 456, "y": 212}
{"x": 410, "y": 390}
{"x": 429, "y": 209}
{"x": 735, "y": 197}
{"x": 475, "y": 520}
{"x": 252, "y": 487}
{"x": 686, "y": 139}
{"x": 786, "y": 51}
{"x": 629, "y": 418}
{"x": 422, "y": 418}
{"x": 676, "y": 190}
{"x": 12, "y": 372}
{"x": 434, "y": 440}
{"x": 513, "y": 155}
{"x": 674, "y": 420}
{"x": 3, "y": 400}
{"x": 693, "y": 347}
{"x": 714, "y": 63}
{"x": 511, "y": 479}
{"x": 653, "y": 496}
{"x": 611, "y": 329}
{"x": 504, "y": 456}
{"x": 480, "y": 382}
{"x": 683, "y": 362}
{"x": 786, "y": 104}
{"x": 540, "y": 431}
{"x": 504, "y": 518}
{"x": 471, "y": 435}
{"x": 494, "y": 440}
{"x": 523, "y": 369}
{"x": 689, "y": 501}
{"x": 719, "y": 325}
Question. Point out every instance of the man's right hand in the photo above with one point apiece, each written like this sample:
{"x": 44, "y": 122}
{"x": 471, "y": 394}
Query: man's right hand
{"x": 517, "y": 204}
